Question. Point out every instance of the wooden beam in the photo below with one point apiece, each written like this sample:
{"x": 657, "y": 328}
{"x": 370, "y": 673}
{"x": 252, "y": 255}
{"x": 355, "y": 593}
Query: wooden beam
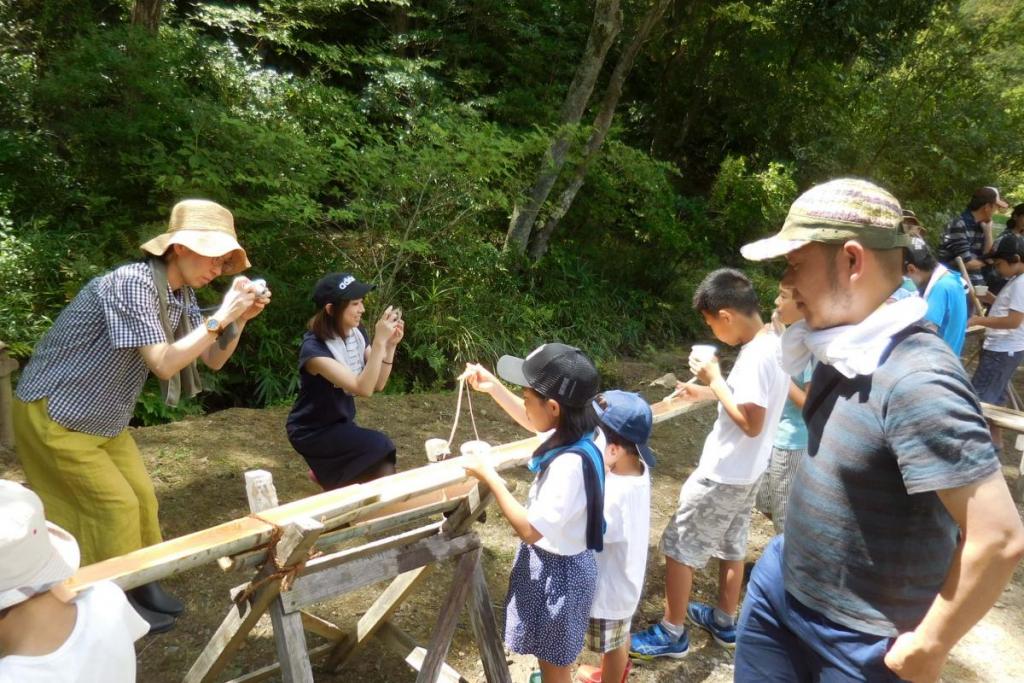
{"x": 376, "y": 617}
{"x": 313, "y": 587}
{"x": 399, "y": 642}
{"x": 448, "y": 617}
{"x": 294, "y": 546}
{"x": 265, "y": 673}
{"x": 485, "y": 629}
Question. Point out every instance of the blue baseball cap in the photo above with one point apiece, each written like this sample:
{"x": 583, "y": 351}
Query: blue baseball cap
{"x": 628, "y": 415}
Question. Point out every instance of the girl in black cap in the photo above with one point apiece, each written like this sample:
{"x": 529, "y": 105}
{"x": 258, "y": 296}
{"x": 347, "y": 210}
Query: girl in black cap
{"x": 554, "y": 575}
{"x": 337, "y": 362}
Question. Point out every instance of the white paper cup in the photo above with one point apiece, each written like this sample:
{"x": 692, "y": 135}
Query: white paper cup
{"x": 437, "y": 449}
{"x": 981, "y": 290}
{"x": 475, "y": 448}
{"x": 703, "y": 352}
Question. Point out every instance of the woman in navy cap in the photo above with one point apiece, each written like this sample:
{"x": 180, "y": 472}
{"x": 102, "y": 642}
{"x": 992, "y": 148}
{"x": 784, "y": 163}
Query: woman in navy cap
{"x": 337, "y": 362}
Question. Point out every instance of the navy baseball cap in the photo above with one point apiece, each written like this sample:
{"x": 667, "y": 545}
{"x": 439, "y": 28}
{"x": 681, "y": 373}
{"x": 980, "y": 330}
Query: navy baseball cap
{"x": 556, "y": 371}
{"x": 628, "y": 415}
{"x": 335, "y": 287}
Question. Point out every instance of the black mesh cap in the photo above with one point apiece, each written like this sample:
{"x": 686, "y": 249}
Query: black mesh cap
{"x": 556, "y": 371}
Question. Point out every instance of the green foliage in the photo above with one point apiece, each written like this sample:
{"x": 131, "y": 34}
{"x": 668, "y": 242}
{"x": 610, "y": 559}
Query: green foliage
{"x": 393, "y": 139}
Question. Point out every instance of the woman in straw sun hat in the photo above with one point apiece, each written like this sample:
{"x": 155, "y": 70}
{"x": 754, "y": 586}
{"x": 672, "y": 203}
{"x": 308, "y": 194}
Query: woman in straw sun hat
{"x": 79, "y": 390}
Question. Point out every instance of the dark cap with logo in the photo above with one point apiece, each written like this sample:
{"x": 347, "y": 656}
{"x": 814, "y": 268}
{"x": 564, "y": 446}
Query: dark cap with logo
{"x": 555, "y": 371}
{"x": 336, "y": 287}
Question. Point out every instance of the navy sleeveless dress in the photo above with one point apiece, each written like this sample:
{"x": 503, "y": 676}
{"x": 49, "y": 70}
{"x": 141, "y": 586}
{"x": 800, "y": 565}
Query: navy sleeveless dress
{"x": 322, "y": 426}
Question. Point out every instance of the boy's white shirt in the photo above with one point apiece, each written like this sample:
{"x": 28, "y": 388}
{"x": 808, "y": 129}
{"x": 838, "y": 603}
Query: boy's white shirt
{"x": 623, "y": 562}
{"x": 729, "y": 455}
{"x": 1010, "y": 298}
{"x": 100, "y": 648}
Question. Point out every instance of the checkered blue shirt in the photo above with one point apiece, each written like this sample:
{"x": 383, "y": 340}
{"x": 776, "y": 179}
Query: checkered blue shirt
{"x": 88, "y": 364}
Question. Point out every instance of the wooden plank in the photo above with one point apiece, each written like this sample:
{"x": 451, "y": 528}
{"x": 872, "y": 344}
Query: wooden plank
{"x": 485, "y": 630}
{"x": 448, "y": 618}
{"x": 378, "y": 614}
{"x": 271, "y": 670}
{"x": 314, "y": 587}
{"x": 294, "y": 546}
{"x": 321, "y": 627}
{"x": 1004, "y": 417}
{"x": 177, "y": 555}
{"x": 399, "y": 642}
{"x": 351, "y": 554}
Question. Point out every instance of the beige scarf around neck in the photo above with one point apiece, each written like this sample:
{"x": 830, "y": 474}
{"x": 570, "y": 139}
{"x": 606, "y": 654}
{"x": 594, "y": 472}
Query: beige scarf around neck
{"x": 187, "y": 379}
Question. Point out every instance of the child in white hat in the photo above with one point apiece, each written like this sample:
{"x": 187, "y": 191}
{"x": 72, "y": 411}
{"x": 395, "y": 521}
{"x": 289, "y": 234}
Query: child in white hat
{"x": 46, "y": 632}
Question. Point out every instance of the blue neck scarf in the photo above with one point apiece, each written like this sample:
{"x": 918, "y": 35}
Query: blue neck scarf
{"x": 593, "y": 483}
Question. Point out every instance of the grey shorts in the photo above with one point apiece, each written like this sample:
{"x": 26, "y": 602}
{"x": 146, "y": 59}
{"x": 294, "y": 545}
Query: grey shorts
{"x": 712, "y": 520}
{"x": 773, "y": 495}
{"x": 993, "y": 374}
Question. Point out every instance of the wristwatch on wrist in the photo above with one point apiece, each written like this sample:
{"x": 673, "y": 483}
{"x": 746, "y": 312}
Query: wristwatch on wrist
{"x": 213, "y": 325}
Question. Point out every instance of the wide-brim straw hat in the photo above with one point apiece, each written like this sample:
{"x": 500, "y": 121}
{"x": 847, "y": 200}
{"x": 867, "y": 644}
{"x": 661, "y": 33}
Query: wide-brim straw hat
{"x": 206, "y": 228}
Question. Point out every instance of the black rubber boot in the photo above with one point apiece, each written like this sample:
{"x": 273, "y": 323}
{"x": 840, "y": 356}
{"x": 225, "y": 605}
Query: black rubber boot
{"x": 153, "y": 597}
{"x": 158, "y": 621}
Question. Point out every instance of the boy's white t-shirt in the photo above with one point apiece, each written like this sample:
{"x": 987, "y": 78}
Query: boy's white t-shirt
{"x": 557, "y": 506}
{"x": 100, "y": 648}
{"x": 730, "y": 456}
{"x": 1010, "y": 298}
{"x": 623, "y": 562}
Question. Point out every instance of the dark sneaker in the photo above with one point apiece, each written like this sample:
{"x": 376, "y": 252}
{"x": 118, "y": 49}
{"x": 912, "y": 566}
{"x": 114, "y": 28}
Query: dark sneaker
{"x": 703, "y": 615}
{"x": 657, "y": 642}
{"x": 158, "y": 621}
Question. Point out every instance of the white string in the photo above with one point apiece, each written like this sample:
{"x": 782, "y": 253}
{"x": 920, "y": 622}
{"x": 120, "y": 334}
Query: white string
{"x": 458, "y": 411}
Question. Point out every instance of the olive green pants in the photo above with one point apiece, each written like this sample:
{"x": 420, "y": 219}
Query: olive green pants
{"x": 94, "y": 486}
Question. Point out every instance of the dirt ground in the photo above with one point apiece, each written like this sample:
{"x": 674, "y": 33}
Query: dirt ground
{"x": 197, "y": 466}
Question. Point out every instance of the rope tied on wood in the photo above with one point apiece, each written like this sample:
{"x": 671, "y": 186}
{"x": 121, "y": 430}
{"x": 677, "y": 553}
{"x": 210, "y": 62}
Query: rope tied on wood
{"x": 286, "y": 574}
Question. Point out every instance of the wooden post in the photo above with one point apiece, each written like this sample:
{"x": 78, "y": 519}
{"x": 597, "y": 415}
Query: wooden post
{"x": 978, "y": 309}
{"x": 485, "y": 629}
{"x": 448, "y": 618}
{"x": 7, "y": 366}
{"x": 289, "y": 635}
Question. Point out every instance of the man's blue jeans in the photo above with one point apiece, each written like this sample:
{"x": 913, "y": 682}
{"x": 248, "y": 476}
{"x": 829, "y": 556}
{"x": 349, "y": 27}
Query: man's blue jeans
{"x": 779, "y": 639}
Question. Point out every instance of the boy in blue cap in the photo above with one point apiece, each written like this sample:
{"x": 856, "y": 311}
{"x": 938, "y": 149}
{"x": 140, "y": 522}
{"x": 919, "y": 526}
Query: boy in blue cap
{"x": 624, "y": 422}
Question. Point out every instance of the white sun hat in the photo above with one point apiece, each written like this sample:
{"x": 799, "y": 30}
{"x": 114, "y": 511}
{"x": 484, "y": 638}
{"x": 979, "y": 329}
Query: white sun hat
{"x": 34, "y": 554}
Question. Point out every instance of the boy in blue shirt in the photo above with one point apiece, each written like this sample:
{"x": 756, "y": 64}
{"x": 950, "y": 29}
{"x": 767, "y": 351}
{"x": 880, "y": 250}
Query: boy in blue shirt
{"x": 942, "y": 289}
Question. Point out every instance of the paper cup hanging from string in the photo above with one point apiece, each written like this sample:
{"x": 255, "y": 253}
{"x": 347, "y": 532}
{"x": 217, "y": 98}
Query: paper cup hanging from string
{"x": 475, "y": 447}
{"x": 437, "y": 449}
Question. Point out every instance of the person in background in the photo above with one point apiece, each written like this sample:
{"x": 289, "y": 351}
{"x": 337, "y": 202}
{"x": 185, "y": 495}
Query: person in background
{"x": 912, "y": 225}
{"x": 79, "y": 390}
{"x": 48, "y": 634}
{"x": 969, "y": 235}
{"x": 943, "y": 290}
{"x": 900, "y": 532}
{"x": 337, "y": 362}
{"x": 790, "y": 444}
{"x": 1014, "y": 229}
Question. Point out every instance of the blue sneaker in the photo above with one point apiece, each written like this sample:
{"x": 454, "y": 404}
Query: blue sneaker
{"x": 703, "y": 615}
{"x": 657, "y": 642}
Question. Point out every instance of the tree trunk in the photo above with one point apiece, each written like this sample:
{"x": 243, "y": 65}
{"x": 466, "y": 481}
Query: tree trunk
{"x": 602, "y": 123}
{"x": 146, "y": 13}
{"x": 603, "y": 31}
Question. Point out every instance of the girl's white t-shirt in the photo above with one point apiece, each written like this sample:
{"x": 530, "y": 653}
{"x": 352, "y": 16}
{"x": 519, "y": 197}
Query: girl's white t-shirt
{"x": 100, "y": 648}
{"x": 557, "y": 506}
{"x": 1010, "y": 298}
{"x": 623, "y": 562}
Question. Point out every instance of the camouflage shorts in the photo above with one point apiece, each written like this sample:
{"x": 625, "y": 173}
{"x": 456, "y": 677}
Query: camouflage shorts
{"x": 712, "y": 520}
{"x": 605, "y": 635}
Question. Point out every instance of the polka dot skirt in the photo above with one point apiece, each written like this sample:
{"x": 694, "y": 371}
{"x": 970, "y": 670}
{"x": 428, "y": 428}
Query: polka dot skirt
{"x": 548, "y": 603}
